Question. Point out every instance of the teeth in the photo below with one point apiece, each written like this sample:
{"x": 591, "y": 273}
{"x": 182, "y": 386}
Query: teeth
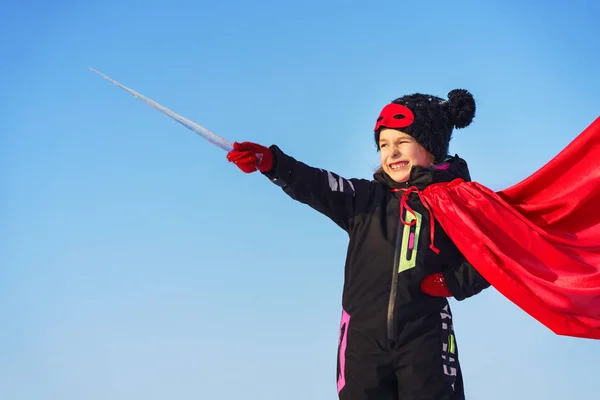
{"x": 399, "y": 165}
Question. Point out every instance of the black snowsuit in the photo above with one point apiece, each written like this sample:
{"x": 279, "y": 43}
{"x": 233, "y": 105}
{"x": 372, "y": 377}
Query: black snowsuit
{"x": 395, "y": 342}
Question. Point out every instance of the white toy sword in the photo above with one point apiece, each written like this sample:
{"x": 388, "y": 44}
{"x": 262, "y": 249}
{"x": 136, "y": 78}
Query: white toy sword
{"x": 200, "y": 130}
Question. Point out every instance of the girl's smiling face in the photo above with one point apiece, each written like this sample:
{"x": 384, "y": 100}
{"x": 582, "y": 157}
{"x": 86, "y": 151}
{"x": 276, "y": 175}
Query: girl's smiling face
{"x": 399, "y": 152}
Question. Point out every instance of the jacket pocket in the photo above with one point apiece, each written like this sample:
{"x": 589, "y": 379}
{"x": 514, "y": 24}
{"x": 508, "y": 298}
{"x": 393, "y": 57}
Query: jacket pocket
{"x": 410, "y": 241}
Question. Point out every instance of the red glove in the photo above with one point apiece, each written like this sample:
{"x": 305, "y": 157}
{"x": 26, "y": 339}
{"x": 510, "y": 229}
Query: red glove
{"x": 435, "y": 285}
{"x": 250, "y": 157}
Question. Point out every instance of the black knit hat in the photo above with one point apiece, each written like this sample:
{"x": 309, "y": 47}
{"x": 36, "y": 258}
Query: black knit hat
{"x": 430, "y": 120}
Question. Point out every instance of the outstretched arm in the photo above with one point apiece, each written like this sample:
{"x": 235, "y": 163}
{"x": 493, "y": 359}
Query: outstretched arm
{"x": 324, "y": 191}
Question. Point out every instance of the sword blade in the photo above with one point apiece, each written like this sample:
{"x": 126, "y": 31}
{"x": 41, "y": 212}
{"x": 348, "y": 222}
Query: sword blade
{"x": 200, "y": 130}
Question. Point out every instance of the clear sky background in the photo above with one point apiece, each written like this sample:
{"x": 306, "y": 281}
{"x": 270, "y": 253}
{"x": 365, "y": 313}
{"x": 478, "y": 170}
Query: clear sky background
{"x": 137, "y": 263}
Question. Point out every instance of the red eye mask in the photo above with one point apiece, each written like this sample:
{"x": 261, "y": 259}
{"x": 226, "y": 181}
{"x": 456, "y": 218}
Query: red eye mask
{"x": 394, "y": 116}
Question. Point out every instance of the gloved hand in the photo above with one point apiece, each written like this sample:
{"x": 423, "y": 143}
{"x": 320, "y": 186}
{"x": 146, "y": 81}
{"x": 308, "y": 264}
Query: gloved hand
{"x": 435, "y": 285}
{"x": 250, "y": 157}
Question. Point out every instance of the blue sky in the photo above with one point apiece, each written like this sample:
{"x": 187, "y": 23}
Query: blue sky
{"x": 137, "y": 263}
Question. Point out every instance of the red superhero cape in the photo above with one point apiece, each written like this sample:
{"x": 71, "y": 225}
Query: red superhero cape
{"x": 537, "y": 242}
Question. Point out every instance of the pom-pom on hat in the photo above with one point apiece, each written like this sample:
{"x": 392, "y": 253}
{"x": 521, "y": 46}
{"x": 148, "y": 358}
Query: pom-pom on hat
{"x": 430, "y": 120}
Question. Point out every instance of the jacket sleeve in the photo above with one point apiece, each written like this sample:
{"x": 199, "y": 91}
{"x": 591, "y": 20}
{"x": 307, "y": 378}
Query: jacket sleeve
{"x": 463, "y": 280}
{"x": 324, "y": 191}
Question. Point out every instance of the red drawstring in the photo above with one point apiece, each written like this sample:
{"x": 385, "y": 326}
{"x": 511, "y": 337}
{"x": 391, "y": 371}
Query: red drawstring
{"x": 404, "y": 205}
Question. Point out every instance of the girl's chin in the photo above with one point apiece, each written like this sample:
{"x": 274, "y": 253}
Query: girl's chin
{"x": 399, "y": 177}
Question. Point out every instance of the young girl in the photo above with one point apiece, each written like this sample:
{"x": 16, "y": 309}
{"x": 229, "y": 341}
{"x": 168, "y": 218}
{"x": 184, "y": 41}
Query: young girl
{"x": 396, "y": 338}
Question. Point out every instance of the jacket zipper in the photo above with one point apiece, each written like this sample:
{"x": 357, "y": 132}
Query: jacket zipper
{"x": 394, "y": 288}
{"x": 391, "y": 331}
